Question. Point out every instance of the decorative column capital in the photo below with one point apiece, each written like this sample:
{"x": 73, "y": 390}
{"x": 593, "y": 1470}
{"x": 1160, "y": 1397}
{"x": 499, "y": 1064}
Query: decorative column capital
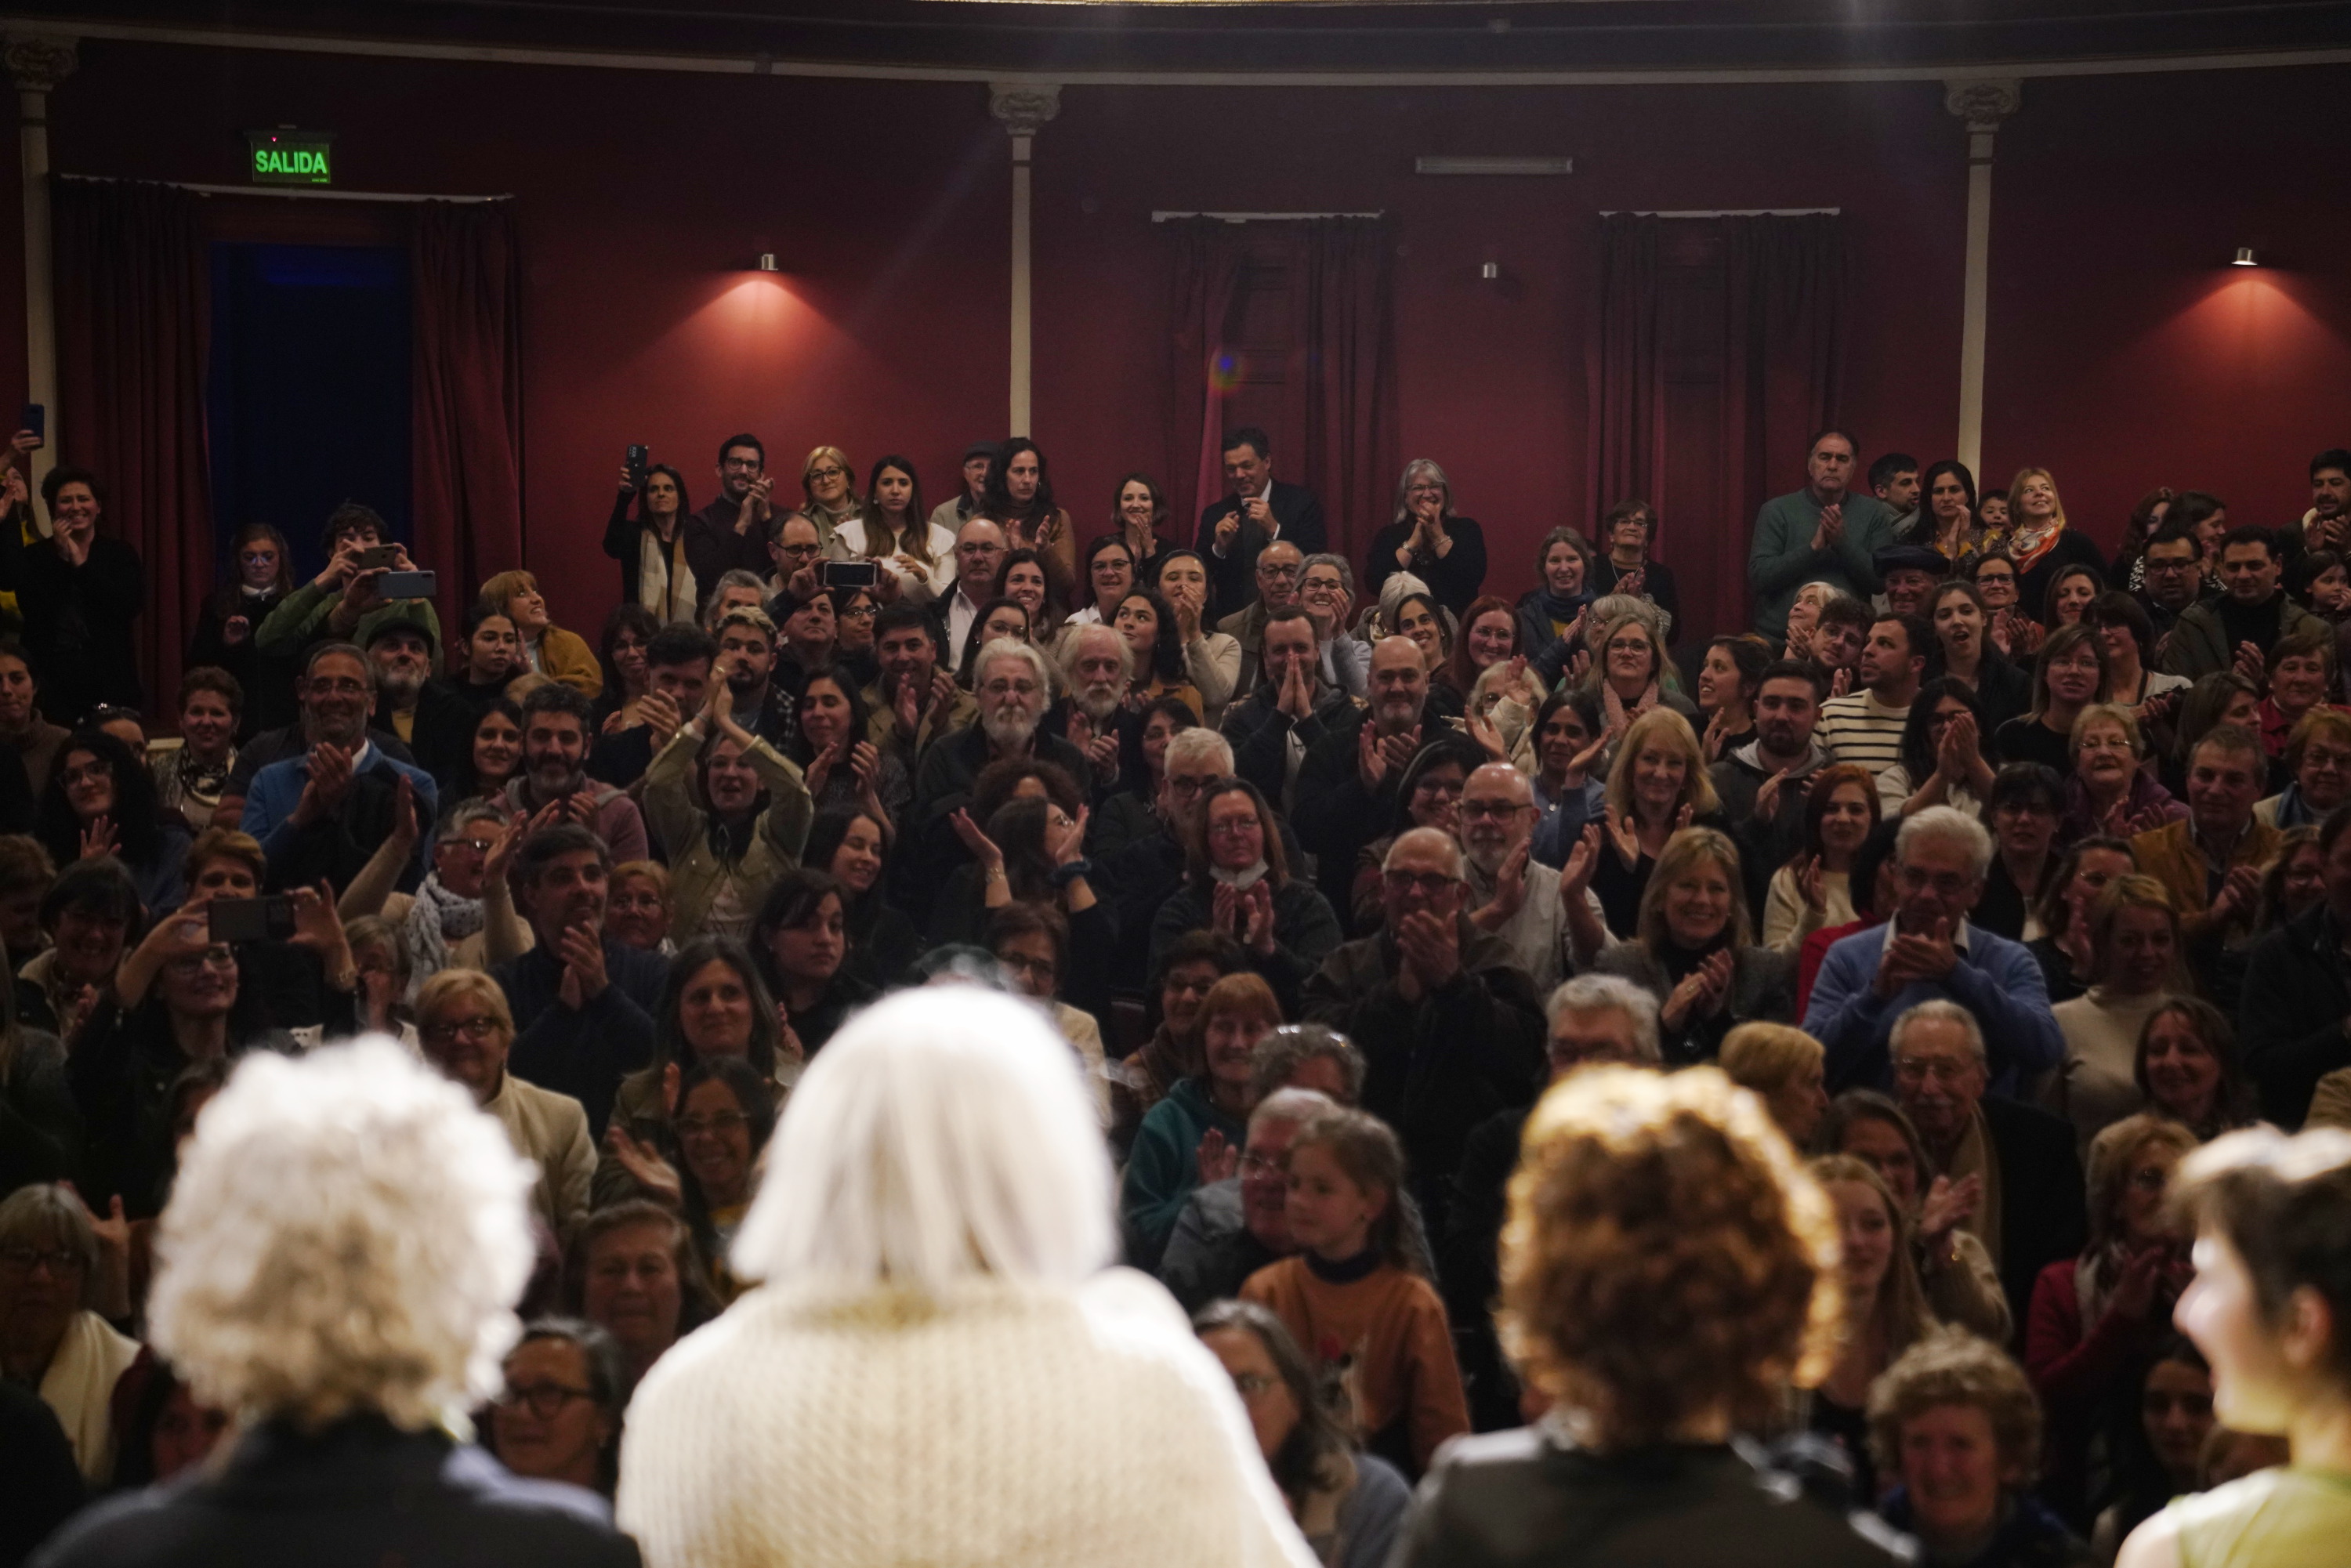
{"x": 1023, "y": 108}
{"x": 1983, "y": 101}
{"x": 38, "y": 61}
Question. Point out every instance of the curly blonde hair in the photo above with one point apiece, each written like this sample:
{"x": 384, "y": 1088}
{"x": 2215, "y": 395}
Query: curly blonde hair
{"x": 1666, "y": 1261}
{"x": 1952, "y": 1366}
{"x": 2113, "y": 1152}
{"x": 1765, "y": 1058}
{"x": 347, "y": 1233}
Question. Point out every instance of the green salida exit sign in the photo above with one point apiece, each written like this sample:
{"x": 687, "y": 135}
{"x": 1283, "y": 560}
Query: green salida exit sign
{"x": 289, "y": 157}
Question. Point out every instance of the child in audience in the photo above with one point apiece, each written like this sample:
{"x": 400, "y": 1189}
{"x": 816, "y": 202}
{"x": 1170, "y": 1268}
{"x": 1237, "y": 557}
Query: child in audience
{"x": 1351, "y": 1296}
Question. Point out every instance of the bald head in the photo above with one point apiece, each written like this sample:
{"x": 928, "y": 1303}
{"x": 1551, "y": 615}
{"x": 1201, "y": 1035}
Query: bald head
{"x": 979, "y": 550}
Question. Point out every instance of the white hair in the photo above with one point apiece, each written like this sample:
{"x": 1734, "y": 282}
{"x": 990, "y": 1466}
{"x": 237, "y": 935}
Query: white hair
{"x": 1414, "y": 470}
{"x": 1197, "y": 742}
{"x": 1009, "y": 648}
{"x": 1076, "y": 649}
{"x": 348, "y": 1232}
{"x": 1605, "y": 994}
{"x": 1936, "y": 1011}
{"x": 945, "y": 1132}
{"x": 1948, "y": 825}
{"x": 1291, "y": 1105}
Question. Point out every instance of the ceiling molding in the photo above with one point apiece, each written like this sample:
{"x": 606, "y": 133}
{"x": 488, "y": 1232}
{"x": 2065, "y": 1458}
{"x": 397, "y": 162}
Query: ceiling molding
{"x": 766, "y": 65}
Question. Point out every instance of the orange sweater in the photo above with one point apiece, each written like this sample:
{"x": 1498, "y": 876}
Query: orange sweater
{"x": 1391, "y": 1324}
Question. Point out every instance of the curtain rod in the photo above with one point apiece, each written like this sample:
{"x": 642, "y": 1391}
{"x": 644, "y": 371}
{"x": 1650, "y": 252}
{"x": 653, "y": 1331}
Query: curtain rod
{"x": 1259, "y": 218}
{"x": 1736, "y": 213}
{"x": 292, "y": 192}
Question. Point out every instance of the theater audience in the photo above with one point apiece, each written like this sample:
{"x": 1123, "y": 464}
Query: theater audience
{"x": 1240, "y": 886}
{"x": 2159, "y": 1433}
{"x": 1281, "y": 569}
{"x": 1349, "y": 782}
{"x": 558, "y": 1416}
{"x": 1956, "y": 1421}
{"x": 2135, "y": 969}
{"x": 1231, "y": 1228}
{"x": 1866, "y": 724}
{"x": 1348, "y": 1504}
{"x": 2023, "y": 809}
{"x": 321, "y": 812}
{"x": 1450, "y": 1029}
{"x": 2093, "y": 1317}
{"x": 1693, "y": 949}
{"x": 64, "y": 1272}
{"x": 28, "y": 738}
{"x": 1355, "y": 1292}
{"x": 731, "y": 814}
{"x": 2253, "y": 610}
{"x": 466, "y": 1031}
{"x": 100, "y": 802}
{"x": 1885, "y": 1310}
{"x": 1928, "y": 950}
{"x": 1809, "y": 891}
{"x": 1429, "y": 540}
{"x": 1823, "y": 532}
{"x": 2210, "y": 861}
{"x": 2069, "y": 676}
{"x": 189, "y": 778}
{"x": 1785, "y": 1067}
{"x": 547, "y": 648}
{"x": 1657, "y": 786}
{"x": 2186, "y": 1068}
{"x": 341, "y": 1387}
{"x": 1659, "y": 1366}
{"x": 1960, "y": 1280}
{"x": 632, "y": 1270}
{"x": 1429, "y": 795}
{"x": 1187, "y": 1132}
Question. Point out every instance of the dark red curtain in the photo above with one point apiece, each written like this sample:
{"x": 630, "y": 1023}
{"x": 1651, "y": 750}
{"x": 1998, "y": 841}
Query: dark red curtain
{"x": 467, "y": 272}
{"x": 1784, "y": 356}
{"x": 1348, "y": 384}
{"x": 1625, "y": 368}
{"x": 130, "y": 313}
{"x": 1205, "y": 273}
{"x": 1337, "y": 432}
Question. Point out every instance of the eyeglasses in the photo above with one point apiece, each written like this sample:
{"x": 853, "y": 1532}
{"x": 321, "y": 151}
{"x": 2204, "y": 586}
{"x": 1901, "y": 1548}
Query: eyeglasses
{"x": 798, "y": 552}
{"x": 1041, "y": 968}
{"x": 743, "y": 465}
{"x": 1233, "y": 827}
{"x": 716, "y": 1124}
{"x": 93, "y": 773}
{"x": 1278, "y": 573}
{"x": 1432, "y": 883}
{"x": 1501, "y": 810}
{"x": 479, "y": 1027}
{"x": 1006, "y": 688}
{"x": 860, "y": 613}
{"x": 325, "y": 685}
{"x": 544, "y": 1400}
{"x": 828, "y": 473}
{"x": 219, "y": 958}
{"x": 21, "y": 1260}
{"x": 1179, "y": 785}
{"x": 1258, "y": 1163}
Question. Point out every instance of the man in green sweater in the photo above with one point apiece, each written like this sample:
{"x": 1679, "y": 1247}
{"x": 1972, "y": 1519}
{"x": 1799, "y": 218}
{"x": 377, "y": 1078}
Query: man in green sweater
{"x": 1820, "y": 532}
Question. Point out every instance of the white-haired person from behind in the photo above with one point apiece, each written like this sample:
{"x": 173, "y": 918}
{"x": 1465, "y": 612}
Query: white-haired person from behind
{"x": 936, "y": 1368}
{"x": 338, "y": 1266}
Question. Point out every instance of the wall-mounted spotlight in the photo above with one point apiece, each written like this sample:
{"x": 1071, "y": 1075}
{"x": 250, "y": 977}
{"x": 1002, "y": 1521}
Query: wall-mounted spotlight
{"x": 767, "y": 262}
{"x": 2244, "y": 256}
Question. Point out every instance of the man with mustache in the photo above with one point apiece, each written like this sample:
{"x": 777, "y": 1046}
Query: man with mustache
{"x": 553, "y": 785}
{"x": 1290, "y": 709}
{"x": 436, "y": 723}
{"x": 1097, "y": 667}
{"x": 1012, "y": 684}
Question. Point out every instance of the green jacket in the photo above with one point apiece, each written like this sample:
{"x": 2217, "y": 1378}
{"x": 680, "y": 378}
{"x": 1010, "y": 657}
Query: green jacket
{"x": 1782, "y": 558}
{"x": 696, "y": 875}
{"x": 301, "y": 620}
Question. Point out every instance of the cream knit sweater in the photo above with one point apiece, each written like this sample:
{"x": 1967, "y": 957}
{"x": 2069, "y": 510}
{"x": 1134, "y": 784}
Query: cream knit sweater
{"x": 1006, "y": 1424}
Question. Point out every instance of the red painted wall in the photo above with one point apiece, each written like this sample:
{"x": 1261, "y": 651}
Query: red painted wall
{"x": 2122, "y": 352}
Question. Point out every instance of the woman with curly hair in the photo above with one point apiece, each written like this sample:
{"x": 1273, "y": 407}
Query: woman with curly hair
{"x": 1957, "y": 1421}
{"x": 1667, "y": 1270}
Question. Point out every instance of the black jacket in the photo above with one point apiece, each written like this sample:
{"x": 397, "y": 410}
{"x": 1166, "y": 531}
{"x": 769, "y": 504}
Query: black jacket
{"x": 1258, "y": 732}
{"x": 267, "y": 679}
{"x": 583, "y": 1052}
{"x": 1519, "y": 1498}
{"x": 77, "y": 621}
{"x": 2290, "y": 1017}
{"x": 359, "y": 1494}
{"x": 1234, "y": 578}
{"x": 1335, "y": 814}
{"x": 2042, "y": 1217}
{"x": 1453, "y": 578}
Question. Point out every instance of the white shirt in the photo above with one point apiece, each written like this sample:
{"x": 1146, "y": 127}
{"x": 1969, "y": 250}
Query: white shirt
{"x": 961, "y": 613}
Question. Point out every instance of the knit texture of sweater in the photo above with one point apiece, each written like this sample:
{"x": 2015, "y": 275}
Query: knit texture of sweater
{"x": 1020, "y": 1425}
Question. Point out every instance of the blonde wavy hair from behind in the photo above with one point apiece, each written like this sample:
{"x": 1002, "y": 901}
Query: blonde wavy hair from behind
{"x": 347, "y": 1233}
{"x": 1666, "y": 1265}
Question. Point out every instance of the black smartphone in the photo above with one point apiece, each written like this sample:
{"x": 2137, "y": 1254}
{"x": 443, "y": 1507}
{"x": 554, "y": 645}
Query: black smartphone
{"x": 35, "y": 418}
{"x": 266, "y": 919}
{"x": 848, "y": 573}
{"x": 407, "y": 585}
{"x": 638, "y": 459}
{"x": 377, "y": 558}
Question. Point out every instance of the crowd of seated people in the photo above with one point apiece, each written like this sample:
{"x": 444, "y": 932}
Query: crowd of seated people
{"x": 2003, "y": 875}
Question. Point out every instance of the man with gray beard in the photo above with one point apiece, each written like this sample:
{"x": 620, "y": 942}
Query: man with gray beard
{"x": 1096, "y": 667}
{"x": 1012, "y": 683}
{"x": 1512, "y": 896}
{"x": 436, "y": 726}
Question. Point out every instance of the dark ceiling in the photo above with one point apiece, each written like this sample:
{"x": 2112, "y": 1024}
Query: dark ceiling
{"x": 1403, "y": 34}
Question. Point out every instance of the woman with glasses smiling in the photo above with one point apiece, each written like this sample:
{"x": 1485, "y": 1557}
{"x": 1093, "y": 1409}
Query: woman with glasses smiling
{"x": 62, "y": 1274}
{"x": 829, "y": 485}
{"x": 558, "y": 1417}
{"x": 467, "y": 1029}
{"x": 1110, "y": 573}
{"x": 1240, "y": 886}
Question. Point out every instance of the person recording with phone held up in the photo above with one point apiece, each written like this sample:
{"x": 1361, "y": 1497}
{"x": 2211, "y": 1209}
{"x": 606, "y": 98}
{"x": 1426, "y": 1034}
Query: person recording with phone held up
{"x": 78, "y": 591}
{"x": 181, "y": 998}
{"x": 670, "y": 556}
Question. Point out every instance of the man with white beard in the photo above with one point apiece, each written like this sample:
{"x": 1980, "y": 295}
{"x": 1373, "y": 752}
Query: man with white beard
{"x": 1346, "y": 787}
{"x": 1012, "y": 683}
{"x": 1096, "y": 667}
{"x": 435, "y": 726}
{"x": 1511, "y": 895}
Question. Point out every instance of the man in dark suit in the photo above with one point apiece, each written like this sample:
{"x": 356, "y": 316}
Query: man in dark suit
{"x": 1259, "y": 510}
{"x": 2033, "y": 1209}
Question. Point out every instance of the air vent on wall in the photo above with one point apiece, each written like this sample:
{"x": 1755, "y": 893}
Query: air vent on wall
{"x": 1493, "y": 166}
